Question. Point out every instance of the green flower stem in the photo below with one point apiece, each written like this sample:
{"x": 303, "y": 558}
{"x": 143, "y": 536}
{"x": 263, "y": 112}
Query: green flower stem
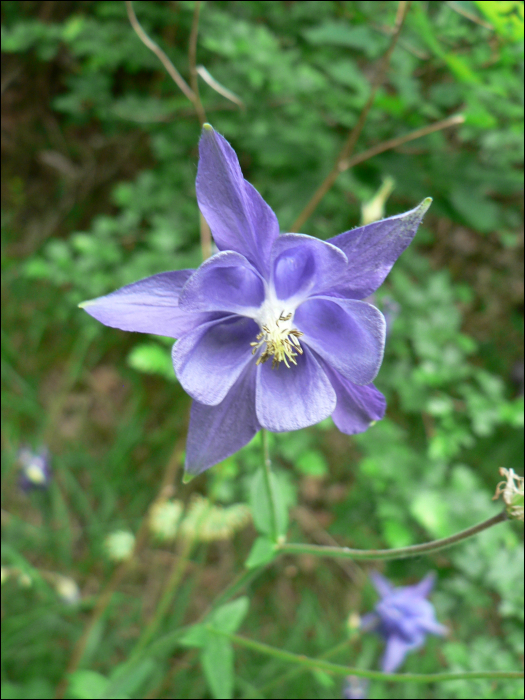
{"x": 288, "y": 675}
{"x": 339, "y": 670}
{"x": 400, "y": 553}
{"x": 242, "y": 580}
{"x": 267, "y": 466}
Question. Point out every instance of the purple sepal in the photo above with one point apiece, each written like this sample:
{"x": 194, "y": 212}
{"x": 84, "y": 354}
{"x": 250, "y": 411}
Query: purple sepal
{"x": 216, "y": 432}
{"x": 373, "y": 249}
{"x": 148, "y": 306}
{"x": 238, "y": 216}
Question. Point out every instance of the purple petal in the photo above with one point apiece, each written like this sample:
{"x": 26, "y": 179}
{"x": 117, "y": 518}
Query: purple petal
{"x": 302, "y": 265}
{"x": 349, "y": 335}
{"x": 216, "y": 432}
{"x": 357, "y": 406}
{"x": 209, "y": 360}
{"x": 290, "y": 398}
{"x": 373, "y": 249}
{"x": 382, "y": 585}
{"x": 238, "y": 216}
{"x": 424, "y": 587}
{"x": 225, "y": 282}
{"x": 148, "y": 306}
{"x": 432, "y": 626}
{"x": 395, "y": 652}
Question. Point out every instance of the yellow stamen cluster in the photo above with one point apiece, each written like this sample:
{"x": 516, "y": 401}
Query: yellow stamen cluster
{"x": 282, "y": 344}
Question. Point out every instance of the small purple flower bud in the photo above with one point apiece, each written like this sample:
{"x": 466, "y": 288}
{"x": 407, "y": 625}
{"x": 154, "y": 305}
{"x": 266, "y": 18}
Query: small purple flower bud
{"x": 35, "y": 469}
{"x": 403, "y": 617}
{"x": 355, "y": 688}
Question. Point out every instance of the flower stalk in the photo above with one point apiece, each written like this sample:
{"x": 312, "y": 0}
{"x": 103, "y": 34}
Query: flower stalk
{"x": 267, "y": 468}
{"x": 340, "y": 670}
{"x": 399, "y": 553}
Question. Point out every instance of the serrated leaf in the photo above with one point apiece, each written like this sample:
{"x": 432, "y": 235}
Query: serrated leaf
{"x": 262, "y": 552}
{"x": 217, "y": 664}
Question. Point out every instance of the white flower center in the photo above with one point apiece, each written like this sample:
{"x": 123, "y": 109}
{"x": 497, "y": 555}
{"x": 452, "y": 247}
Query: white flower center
{"x": 280, "y": 338}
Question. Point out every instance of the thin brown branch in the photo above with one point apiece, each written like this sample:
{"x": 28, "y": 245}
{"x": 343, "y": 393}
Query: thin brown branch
{"x": 461, "y": 11}
{"x": 192, "y": 93}
{"x": 399, "y": 141}
{"x": 205, "y": 233}
{"x": 215, "y": 85}
{"x": 349, "y": 145}
{"x": 152, "y": 46}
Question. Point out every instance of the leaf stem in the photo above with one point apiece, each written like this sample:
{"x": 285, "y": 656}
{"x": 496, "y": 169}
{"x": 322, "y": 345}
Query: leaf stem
{"x": 399, "y": 553}
{"x": 292, "y": 673}
{"x": 267, "y": 467}
{"x": 339, "y": 670}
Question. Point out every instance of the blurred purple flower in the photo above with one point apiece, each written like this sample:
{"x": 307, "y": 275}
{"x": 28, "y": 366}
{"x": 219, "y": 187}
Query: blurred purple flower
{"x": 355, "y": 688}
{"x": 403, "y": 617}
{"x": 272, "y": 330}
{"x": 35, "y": 469}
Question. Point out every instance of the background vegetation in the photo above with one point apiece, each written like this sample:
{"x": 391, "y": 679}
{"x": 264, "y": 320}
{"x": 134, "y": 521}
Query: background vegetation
{"x": 99, "y": 156}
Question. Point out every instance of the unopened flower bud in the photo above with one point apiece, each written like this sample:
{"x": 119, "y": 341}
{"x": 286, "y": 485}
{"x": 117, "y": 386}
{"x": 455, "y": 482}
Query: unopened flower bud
{"x": 374, "y": 209}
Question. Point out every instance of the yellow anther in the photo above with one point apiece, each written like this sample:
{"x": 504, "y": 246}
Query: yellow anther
{"x": 282, "y": 344}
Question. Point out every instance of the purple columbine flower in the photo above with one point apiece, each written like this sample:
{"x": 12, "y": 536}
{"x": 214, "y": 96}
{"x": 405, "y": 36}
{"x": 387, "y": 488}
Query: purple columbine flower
{"x": 35, "y": 469}
{"x": 403, "y": 617}
{"x": 271, "y": 330}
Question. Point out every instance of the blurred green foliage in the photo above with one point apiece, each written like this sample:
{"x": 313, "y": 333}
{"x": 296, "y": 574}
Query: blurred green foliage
{"x": 99, "y": 162}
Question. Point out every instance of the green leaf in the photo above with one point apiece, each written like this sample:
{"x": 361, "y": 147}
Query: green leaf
{"x": 228, "y": 617}
{"x": 262, "y": 552}
{"x": 151, "y": 358}
{"x": 196, "y": 636}
{"x": 217, "y": 664}
{"x": 323, "y": 678}
{"x": 339, "y": 34}
{"x": 431, "y": 511}
{"x": 260, "y": 504}
{"x": 505, "y": 15}
{"x": 126, "y": 680}
{"x": 89, "y": 684}
{"x": 312, "y": 463}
